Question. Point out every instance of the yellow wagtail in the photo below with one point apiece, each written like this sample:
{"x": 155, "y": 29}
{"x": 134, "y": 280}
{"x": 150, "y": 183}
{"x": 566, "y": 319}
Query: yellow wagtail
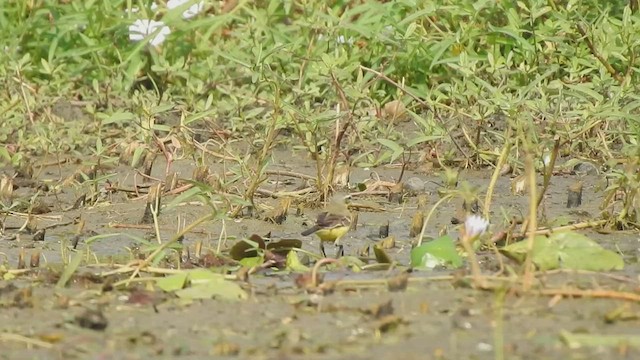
{"x": 332, "y": 224}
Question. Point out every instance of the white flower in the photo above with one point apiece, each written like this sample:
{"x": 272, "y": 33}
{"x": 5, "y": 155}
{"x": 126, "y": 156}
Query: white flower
{"x": 142, "y": 28}
{"x": 192, "y": 11}
{"x": 475, "y": 226}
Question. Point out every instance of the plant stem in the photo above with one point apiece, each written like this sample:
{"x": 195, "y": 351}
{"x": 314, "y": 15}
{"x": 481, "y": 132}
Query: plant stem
{"x": 496, "y": 173}
{"x": 533, "y": 221}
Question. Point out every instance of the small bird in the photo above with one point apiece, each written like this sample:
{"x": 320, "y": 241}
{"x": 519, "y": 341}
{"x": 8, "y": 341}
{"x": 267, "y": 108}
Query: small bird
{"x": 332, "y": 224}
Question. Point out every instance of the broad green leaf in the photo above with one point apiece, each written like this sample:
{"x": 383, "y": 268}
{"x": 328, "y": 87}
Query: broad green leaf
{"x": 284, "y": 246}
{"x": 173, "y": 282}
{"x": 566, "y": 250}
{"x": 294, "y": 264}
{"x": 252, "y": 261}
{"x": 544, "y": 253}
{"x": 441, "y": 251}
{"x": 246, "y": 248}
{"x": 579, "y": 252}
{"x": 198, "y": 276}
{"x": 219, "y": 289}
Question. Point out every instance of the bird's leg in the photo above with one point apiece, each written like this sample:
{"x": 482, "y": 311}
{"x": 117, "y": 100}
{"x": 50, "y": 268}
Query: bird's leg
{"x": 340, "y": 251}
{"x": 322, "y": 249}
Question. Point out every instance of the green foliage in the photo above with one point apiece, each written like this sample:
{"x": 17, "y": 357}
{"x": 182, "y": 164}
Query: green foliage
{"x": 439, "y": 252}
{"x": 566, "y": 250}
{"x": 470, "y": 73}
{"x": 468, "y": 61}
{"x": 201, "y": 284}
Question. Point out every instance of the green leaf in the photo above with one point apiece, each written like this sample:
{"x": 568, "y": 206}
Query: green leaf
{"x": 579, "y": 252}
{"x": 441, "y": 251}
{"x": 585, "y": 89}
{"x": 117, "y": 117}
{"x": 381, "y": 255}
{"x": 544, "y": 253}
{"x": 247, "y": 248}
{"x": 294, "y": 264}
{"x": 439, "y": 49}
{"x": 410, "y": 30}
{"x": 4, "y": 154}
{"x": 216, "y": 287}
{"x": 183, "y": 197}
{"x": 252, "y": 261}
{"x": 198, "y": 276}
{"x": 137, "y": 155}
{"x": 396, "y": 149}
{"x": 284, "y": 246}
{"x": 70, "y": 269}
{"x": 173, "y": 282}
{"x": 202, "y": 284}
{"x": 220, "y": 289}
{"x": 566, "y": 250}
{"x": 520, "y": 41}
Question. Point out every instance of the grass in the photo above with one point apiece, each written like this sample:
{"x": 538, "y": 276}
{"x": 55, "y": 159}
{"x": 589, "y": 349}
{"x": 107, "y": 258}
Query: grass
{"x": 290, "y": 68}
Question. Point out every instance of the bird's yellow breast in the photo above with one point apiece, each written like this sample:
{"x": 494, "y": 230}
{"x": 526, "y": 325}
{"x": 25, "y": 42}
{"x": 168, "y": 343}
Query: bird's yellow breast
{"x": 333, "y": 234}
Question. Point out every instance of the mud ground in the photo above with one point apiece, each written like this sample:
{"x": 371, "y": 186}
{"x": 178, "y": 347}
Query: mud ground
{"x": 434, "y": 318}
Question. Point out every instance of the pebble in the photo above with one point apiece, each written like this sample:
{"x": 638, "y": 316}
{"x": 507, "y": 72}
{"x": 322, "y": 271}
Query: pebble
{"x": 586, "y": 168}
{"x": 414, "y": 185}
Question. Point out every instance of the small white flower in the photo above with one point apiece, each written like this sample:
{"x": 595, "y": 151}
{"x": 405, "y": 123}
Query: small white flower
{"x": 475, "y": 226}
{"x": 192, "y": 11}
{"x": 142, "y": 28}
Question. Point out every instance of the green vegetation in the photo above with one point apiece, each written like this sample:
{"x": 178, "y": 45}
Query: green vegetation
{"x": 260, "y": 70}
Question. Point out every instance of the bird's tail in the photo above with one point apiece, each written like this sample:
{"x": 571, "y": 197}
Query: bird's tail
{"x": 310, "y": 230}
